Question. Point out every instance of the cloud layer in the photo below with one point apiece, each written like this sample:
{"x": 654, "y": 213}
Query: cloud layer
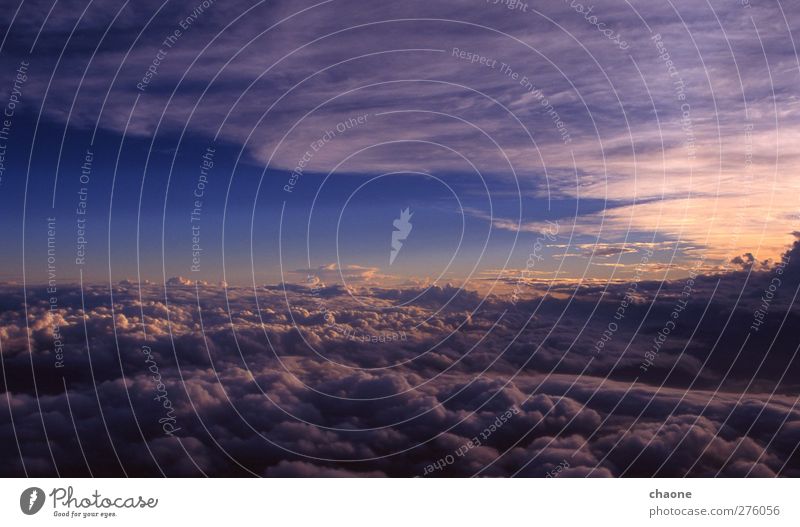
{"x": 289, "y": 381}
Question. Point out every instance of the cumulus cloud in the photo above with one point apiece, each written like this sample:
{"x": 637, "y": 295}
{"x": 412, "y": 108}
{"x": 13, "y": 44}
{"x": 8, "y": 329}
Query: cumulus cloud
{"x": 231, "y": 381}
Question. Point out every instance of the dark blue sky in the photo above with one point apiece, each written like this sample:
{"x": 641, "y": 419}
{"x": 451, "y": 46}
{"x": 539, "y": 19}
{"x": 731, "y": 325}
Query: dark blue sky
{"x": 485, "y": 121}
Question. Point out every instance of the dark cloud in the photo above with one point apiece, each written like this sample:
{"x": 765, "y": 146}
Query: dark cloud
{"x": 258, "y": 394}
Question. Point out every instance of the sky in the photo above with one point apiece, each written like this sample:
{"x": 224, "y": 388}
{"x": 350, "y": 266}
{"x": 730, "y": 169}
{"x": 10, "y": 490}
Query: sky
{"x": 485, "y": 119}
{"x": 345, "y": 238}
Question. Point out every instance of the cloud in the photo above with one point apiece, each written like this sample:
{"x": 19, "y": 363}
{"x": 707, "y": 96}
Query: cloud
{"x": 276, "y": 78}
{"x": 276, "y": 389}
{"x": 351, "y": 274}
{"x": 694, "y": 375}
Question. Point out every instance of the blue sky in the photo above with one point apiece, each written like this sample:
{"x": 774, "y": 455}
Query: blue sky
{"x": 486, "y": 121}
